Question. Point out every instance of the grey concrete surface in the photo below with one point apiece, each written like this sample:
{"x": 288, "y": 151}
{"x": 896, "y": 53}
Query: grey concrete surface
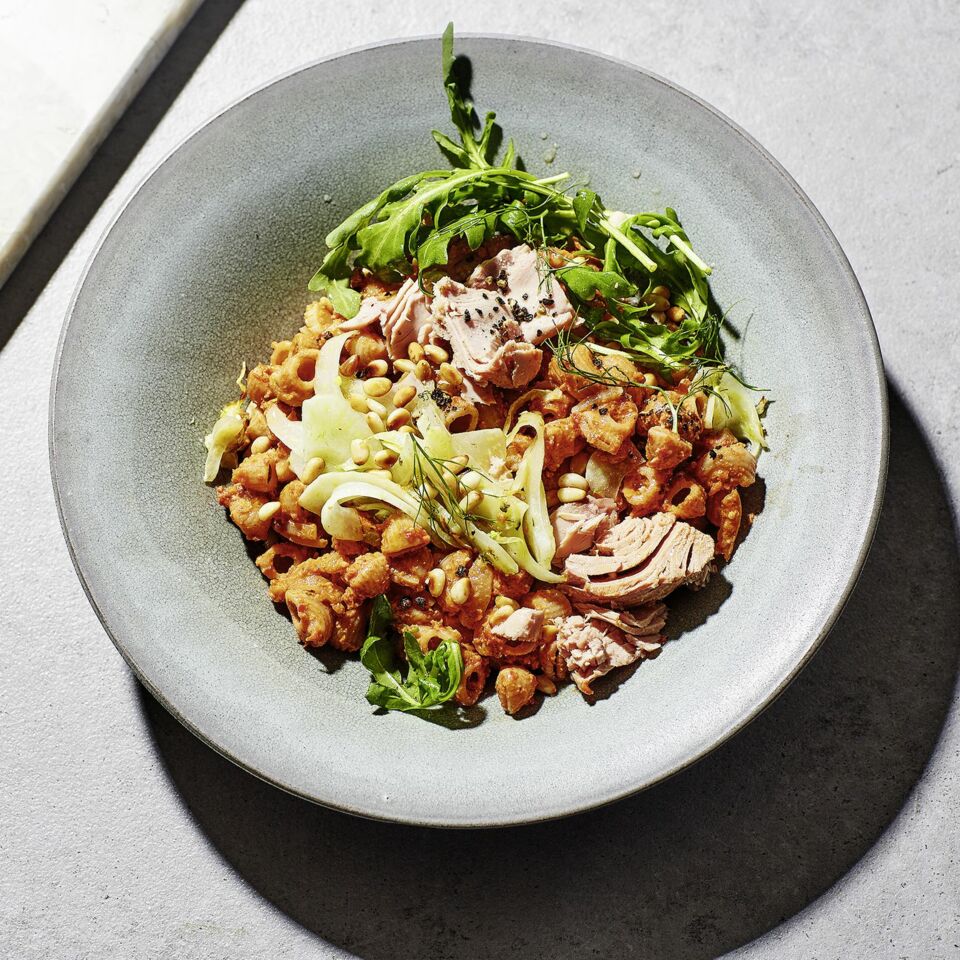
{"x": 828, "y": 829}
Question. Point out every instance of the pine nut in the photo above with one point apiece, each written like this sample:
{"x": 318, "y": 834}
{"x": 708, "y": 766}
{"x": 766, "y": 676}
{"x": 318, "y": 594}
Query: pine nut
{"x": 661, "y": 291}
{"x": 386, "y": 474}
{"x": 675, "y": 314}
{"x": 460, "y": 591}
{"x": 358, "y": 403}
{"x": 407, "y": 428}
{"x": 435, "y": 354}
{"x": 658, "y": 316}
{"x": 423, "y": 371}
{"x": 471, "y": 480}
{"x": 404, "y": 395}
{"x": 570, "y": 494}
{"x": 415, "y": 351}
{"x": 458, "y": 464}
{"x": 359, "y": 452}
{"x": 312, "y": 470}
{"x": 398, "y": 419}
{"x": 436, "y": 581}
{"x": 450, "y": 373}
{"x": 385, "y": 458}
{"x": 572, "y": 480}
{"x": 375, "y": 406}
{"x": 350, "y": 366}
{"x": 449, "y": 480}
{"x": 471, "y": 501}
{"x": 374, "y": 422}
{"x": 404, "y": 366}
{"x": 501, "y": 601}
{"x": 377, "y": 387}
{"x": 269, "y": 510}
{"x": 260, "y": 445}
{"x": 376, "y": 368}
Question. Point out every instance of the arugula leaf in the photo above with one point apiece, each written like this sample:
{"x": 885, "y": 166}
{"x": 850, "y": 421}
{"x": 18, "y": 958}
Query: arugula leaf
{"x": 408, "y": 228}
{"x": 585, "y": 283}
{"x": 472, "y": 153}
{"x": 383, "y": 243}
{"x": 582, "y": 205}
{"x": 432, "y": 678}
{"x": 333, "y": 278}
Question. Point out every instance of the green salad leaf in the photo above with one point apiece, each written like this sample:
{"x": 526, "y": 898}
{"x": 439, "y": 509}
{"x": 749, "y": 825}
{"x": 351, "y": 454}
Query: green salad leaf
{"x": 407, "y": 230}
{"x": 432, "y": 678}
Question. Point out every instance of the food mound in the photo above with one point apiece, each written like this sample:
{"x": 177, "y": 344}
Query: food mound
{"x": 499, "y": 441}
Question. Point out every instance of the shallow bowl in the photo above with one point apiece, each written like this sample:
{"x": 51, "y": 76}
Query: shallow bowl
{"x": 208, "y": 262}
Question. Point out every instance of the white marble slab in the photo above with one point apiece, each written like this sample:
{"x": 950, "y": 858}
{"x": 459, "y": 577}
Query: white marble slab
{"x": 68, "y": 68}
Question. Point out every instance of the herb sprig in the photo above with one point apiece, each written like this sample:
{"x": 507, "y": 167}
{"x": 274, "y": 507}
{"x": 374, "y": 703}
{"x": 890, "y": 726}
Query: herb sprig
{"x": 564, "y": 350}
{"x": 443, "y": 513}
{"x": 432, "y": 678}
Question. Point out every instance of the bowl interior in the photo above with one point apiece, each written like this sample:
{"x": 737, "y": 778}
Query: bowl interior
{"x": 209, "y": 262}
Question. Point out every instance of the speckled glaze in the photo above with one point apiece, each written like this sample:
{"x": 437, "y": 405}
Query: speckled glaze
{"x": 208, "y": 263}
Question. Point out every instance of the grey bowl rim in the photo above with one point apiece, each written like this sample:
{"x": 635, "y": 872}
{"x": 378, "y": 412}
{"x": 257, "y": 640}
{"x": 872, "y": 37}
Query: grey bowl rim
{"x": 864, "y": 316}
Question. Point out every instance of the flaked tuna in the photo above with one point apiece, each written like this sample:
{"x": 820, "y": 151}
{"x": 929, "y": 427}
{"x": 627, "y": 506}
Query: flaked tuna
{"x": 595, "y": 641}
{"x": 577, "y": 525}
{"x": 522, "y": 283}
{"x": 640, "y": 560}
{"x": 485, "y": 341}
{"x": 494, "y": 322}
{"x": 520, "y": 632}
{"x": 404, "y": 318}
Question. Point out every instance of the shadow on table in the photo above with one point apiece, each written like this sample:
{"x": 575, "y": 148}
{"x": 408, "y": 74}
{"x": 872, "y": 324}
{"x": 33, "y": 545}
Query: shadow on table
{"x": 692, "y": 868}
{"x": 110, "y": 162}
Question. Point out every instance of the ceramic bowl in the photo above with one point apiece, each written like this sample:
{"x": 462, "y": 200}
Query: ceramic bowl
{"x": 208, "y": 262}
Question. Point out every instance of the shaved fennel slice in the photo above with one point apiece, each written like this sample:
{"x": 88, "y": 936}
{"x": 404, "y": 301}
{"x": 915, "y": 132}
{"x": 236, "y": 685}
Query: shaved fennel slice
{"x": 330, "y": 424}
{"x": 288, "y": 432}
{"x": 491, "y": 549}
{"x": 730, "y": 404}
{"x": 329, "y": 493}
{"x": 506, "y": 515}
{"x": 225, "y": 435}
{"x": 481, "y": 447}
{"x": 528, "y": 481}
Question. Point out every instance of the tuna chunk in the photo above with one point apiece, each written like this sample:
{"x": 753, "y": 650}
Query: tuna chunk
{"x": 370, "y": 312}
{"x": 577, "y": 525}
{"x": 640, "y": 560}
{"x": 485, "y": 341}
{"x": 595, "y": 641}
{"x": 493, "y": 323}
{"x": 626, "y": 545}
{"x": 407, "y": 319}
{"x": 520, "y": 632}
{"x": 638, "y": 622}
{"x": 534, "y": 298}
{"x": 403, "y": 319}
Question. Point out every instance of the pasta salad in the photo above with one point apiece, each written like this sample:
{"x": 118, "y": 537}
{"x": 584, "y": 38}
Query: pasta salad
{"x": 503, "y": 435}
